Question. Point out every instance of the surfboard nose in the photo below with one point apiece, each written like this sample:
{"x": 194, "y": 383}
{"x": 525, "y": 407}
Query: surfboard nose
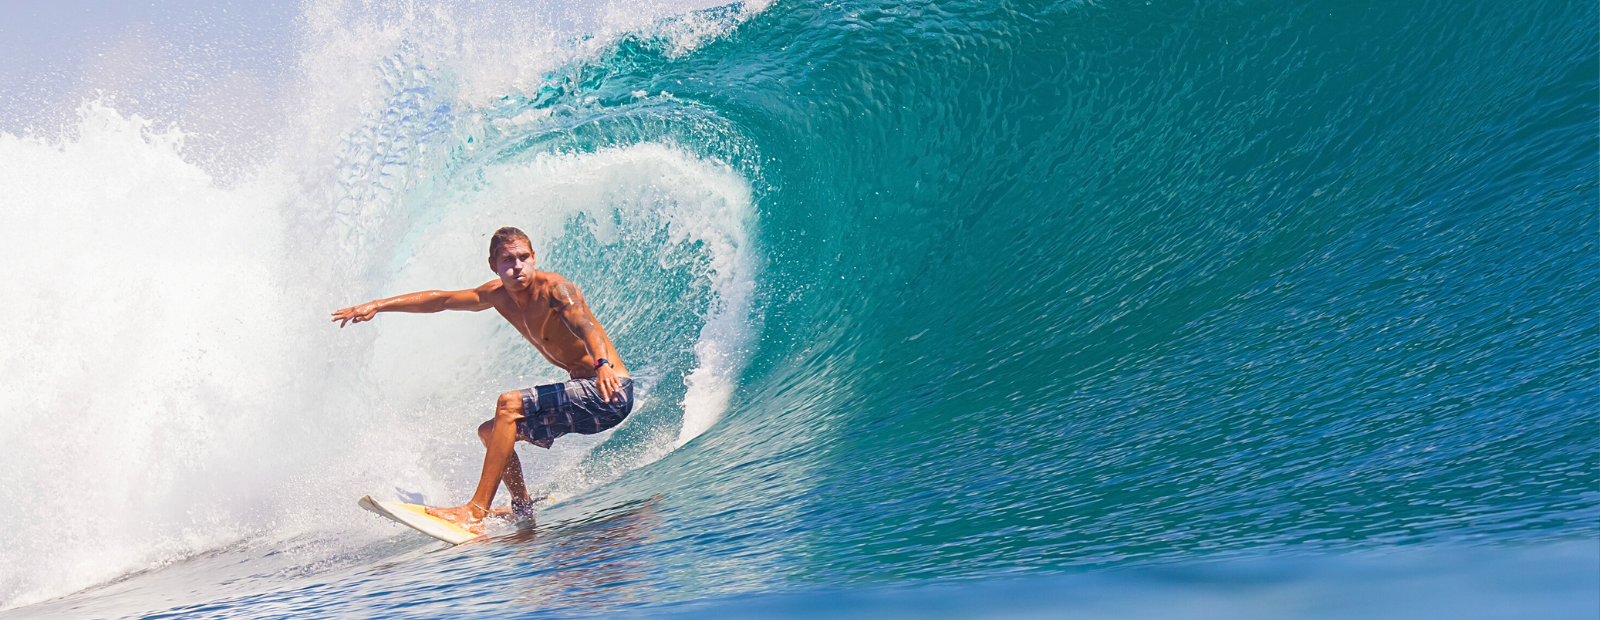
{"x": 416, "y": 517}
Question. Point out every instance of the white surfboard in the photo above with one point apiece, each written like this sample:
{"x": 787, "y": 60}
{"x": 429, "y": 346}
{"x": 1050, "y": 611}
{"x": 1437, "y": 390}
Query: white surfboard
{"x": 417, "y": 518}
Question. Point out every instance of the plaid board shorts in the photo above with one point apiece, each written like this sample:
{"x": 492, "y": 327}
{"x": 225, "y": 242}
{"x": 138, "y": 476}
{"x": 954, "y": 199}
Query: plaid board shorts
{"x": 550, "y": 411}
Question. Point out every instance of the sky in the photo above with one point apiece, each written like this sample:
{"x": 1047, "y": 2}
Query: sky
{"x": 154, "y": 58}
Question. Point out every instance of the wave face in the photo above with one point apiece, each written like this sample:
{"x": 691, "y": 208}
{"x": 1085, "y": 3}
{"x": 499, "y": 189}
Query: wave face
{"x": 914, "y": 292}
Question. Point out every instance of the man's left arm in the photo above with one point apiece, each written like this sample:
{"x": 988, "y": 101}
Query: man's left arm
{"x": 574, "y": 311}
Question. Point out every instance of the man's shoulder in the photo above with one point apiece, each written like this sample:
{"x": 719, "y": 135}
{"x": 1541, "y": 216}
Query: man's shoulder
{"x": 557, "y": 288}
{"x": 491, "y": 291}
{"x": 554, "y": 281}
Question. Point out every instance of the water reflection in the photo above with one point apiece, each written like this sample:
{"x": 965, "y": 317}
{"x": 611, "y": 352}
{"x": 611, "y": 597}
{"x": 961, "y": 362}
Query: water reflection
{"x": 590, "y": 563}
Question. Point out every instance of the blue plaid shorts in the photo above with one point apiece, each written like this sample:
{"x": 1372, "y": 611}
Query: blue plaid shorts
{"x": 550, "y": 411}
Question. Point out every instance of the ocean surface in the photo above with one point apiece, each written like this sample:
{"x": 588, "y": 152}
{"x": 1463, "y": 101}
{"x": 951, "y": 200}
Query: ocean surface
{"x": 1113, "y": 309}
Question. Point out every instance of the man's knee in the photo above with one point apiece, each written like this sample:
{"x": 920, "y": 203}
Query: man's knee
{"x": 509, "y": 407}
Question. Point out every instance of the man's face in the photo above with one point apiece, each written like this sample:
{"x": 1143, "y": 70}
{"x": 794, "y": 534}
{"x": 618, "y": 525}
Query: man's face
{"x": 514, "y": 264}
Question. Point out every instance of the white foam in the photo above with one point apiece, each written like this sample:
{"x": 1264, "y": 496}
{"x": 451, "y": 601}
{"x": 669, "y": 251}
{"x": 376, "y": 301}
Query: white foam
{"x": 143, "y": 331}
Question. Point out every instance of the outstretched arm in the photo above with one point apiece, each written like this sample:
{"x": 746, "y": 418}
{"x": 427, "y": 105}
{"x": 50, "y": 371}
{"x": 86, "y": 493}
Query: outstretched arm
{"x": 471, "y": 300}
{"x": 574, "y": 311}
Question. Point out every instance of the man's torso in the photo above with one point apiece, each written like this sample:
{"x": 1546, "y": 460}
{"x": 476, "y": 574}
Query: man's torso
{"x": 538, "y": 321}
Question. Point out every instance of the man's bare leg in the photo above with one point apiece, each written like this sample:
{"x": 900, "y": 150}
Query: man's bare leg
{"x": 512, "y": 476}
{"x": 497, "y": 455}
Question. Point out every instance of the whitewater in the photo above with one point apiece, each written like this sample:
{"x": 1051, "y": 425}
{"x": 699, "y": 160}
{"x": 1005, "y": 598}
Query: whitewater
{"x": 1085, "y": 309}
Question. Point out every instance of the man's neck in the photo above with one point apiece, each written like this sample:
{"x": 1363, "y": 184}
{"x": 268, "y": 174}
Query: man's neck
{"x": 526, "y": 296}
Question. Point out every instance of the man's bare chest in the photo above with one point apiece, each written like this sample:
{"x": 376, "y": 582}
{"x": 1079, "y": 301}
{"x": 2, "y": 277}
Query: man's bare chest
{"x": 537, "y": 321}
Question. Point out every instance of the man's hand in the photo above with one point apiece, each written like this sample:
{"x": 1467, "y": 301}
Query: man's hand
{"x": 356, "y": 314}
{"x": 606, "y": 379}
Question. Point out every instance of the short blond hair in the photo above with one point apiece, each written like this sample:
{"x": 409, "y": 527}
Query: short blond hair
{"x": 504, "y": 237}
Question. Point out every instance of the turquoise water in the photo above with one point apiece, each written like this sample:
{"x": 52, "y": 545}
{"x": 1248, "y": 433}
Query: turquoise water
{"x": 1216, "y": 304}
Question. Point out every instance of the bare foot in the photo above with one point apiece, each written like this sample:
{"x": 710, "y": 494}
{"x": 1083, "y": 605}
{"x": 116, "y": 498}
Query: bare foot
{"x": 468, "y": 517}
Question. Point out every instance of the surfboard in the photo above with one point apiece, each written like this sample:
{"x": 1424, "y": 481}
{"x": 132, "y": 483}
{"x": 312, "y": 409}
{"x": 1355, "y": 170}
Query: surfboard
{"x": 416, "y": 517}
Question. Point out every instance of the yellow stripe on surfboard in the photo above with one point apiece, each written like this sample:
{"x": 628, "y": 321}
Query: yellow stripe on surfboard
{"x": 416, "y": 517}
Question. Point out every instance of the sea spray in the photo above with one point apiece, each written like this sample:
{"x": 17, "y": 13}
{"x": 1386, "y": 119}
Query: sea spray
{"x": 149, "y": 324}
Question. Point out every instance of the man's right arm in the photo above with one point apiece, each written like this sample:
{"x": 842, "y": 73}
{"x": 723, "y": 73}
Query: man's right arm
{"x": 471, "y": 300}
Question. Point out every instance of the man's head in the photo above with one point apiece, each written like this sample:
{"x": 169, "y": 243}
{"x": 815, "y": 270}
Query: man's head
{"x": 511, "y": 257}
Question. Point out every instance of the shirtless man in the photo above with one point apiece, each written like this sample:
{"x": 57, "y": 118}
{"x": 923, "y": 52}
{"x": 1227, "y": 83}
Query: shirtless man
{"x": 550, "y": 312}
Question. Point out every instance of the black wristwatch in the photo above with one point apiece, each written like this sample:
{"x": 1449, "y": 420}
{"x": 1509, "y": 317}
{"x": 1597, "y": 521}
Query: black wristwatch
{"x": 602, "y": 362}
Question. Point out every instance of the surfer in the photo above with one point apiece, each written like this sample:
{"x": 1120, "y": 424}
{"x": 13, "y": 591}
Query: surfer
{"x": 551, "y": 314}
